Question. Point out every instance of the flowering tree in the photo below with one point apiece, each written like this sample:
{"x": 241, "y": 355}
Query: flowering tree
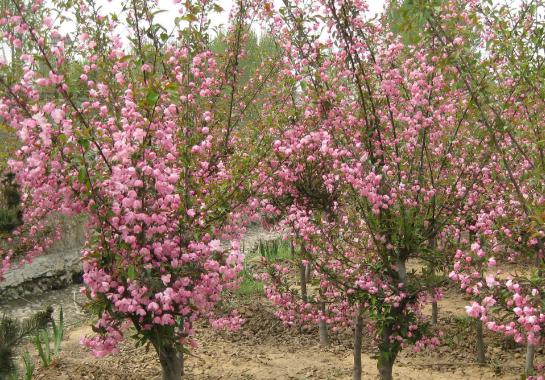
{"x": 298, "y": 193}
{"x": 375, "y": 151}
{"x": 499, "y": 64}
{"x": 152, "y": 142}
{"x": 402, "y": 163}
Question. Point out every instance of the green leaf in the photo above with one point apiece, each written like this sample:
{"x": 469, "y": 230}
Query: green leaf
{"x": 152, "y": 97}
{"x": 29, "y": 366}
{"x": 84, "y": 142}
{"x": 82, "y": 175}
{"x": 131, "y": 272}
{"x": 501, "y": 125}
{"x": 63, "y": 138}
{"x": 190, "y": 17}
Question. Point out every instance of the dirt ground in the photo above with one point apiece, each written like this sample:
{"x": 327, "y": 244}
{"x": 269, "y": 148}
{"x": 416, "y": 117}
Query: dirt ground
{"x": 265, "y": 349}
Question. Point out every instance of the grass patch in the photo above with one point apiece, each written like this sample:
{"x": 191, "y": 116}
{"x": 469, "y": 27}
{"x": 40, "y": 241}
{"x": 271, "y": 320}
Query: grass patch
{"x": 272, "y": 250}
{"x": 249, "y": 286}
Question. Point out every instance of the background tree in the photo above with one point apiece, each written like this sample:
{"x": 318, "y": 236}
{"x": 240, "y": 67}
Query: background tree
{"x": 497, "y": 53}
{"x": 404, "y": 162}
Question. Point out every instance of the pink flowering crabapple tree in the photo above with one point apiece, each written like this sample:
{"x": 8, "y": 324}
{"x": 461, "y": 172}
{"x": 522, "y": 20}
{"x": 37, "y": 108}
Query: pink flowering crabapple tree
{"x": 151, "y": 141}
{"x": 296, "y": 189}
{"x": 403, "y": 163}
{"x": 502, "y": 74}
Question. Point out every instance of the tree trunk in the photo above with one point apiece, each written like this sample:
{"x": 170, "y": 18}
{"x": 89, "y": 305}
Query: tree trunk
{"x": 171, "y": 362}
{"x": 303, "y": 280}
{"x": 322, "y": 327}
{"x": 292, "y": 249}
{"x": 401, "y": 270}
{"x": 530, "y": 353}
{"x": 308, "y": 271}
{"x": 434, "y": 309}
{"x": 481, "y": 358}
{"x": 358, "y": 338}
{"x": 385, "y": 369}
{"x": 386, "y": 357}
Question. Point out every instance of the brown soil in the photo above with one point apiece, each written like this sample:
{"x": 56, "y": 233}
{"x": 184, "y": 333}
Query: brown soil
{"x": 265, "y": 349}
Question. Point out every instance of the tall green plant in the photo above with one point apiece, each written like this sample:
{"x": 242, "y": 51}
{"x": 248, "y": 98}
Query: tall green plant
{"x": 408, "y": 18}
{"x": 43, "y": 340}
{"x": 29, "y": 366}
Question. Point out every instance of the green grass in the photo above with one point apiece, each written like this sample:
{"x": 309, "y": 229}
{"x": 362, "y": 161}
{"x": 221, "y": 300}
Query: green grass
{"x": 249, "y": 286}
{"x": 272, "y": 250}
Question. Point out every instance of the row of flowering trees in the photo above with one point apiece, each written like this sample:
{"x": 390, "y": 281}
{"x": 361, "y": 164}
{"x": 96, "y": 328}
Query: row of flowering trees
{"x": 372, "y": 150}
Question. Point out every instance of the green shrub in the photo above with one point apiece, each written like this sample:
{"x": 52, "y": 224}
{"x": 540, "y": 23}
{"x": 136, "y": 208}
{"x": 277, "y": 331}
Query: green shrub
{"x": 29, "y": 366}
{"x": 9, "y": 219}
{"x": 274, "y": 250}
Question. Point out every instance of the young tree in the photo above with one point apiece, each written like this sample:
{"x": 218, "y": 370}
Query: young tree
{"x": 498, "y": 56}
{"x": 12, "y": 334}
{"x": 404, "y": 161}
{"x": 154, "y": 145}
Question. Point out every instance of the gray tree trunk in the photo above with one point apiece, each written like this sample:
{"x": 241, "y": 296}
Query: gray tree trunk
{"x": 358, "y": 338}
{"x": 386, "y": 369}
{"x": 530, "y": 353}
{"x": 387, "y": 358}
{"x": 171, "y": 362}
{"x": 402, "y": 270}
{"x": 308, "y": 272}
{"x": 322, "y": 327}
{"x": 303, "y": 280}
{"x": 481, "y": 357}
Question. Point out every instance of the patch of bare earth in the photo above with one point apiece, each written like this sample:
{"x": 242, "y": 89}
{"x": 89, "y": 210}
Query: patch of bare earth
{"x": 265, "y": 349}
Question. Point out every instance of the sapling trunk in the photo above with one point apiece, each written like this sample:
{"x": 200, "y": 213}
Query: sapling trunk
{"x": 358, "y": 338}
{"x": 386, "y": 356}
{"x": 401, "y": 270}
{"x": 530, "y": 354}
{"x": 387, "y": 353}
{"x": 434, "y": 307}
{"x": 303, "y": 280}
{"x": 385, "y": 369}
{"x": 322, "y": 327}
{"x": 481, "y": 358}
{"x": 434, "y": 312}
{"x": 171, "y": 362}
{"x": 308, "y": 271}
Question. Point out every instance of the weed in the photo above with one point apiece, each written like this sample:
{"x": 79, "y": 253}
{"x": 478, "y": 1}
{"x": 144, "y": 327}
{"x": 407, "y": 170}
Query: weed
{"x": 249, "y": 286}
{"x": 43, "y": 340}
{"x": 29, "y": 366}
